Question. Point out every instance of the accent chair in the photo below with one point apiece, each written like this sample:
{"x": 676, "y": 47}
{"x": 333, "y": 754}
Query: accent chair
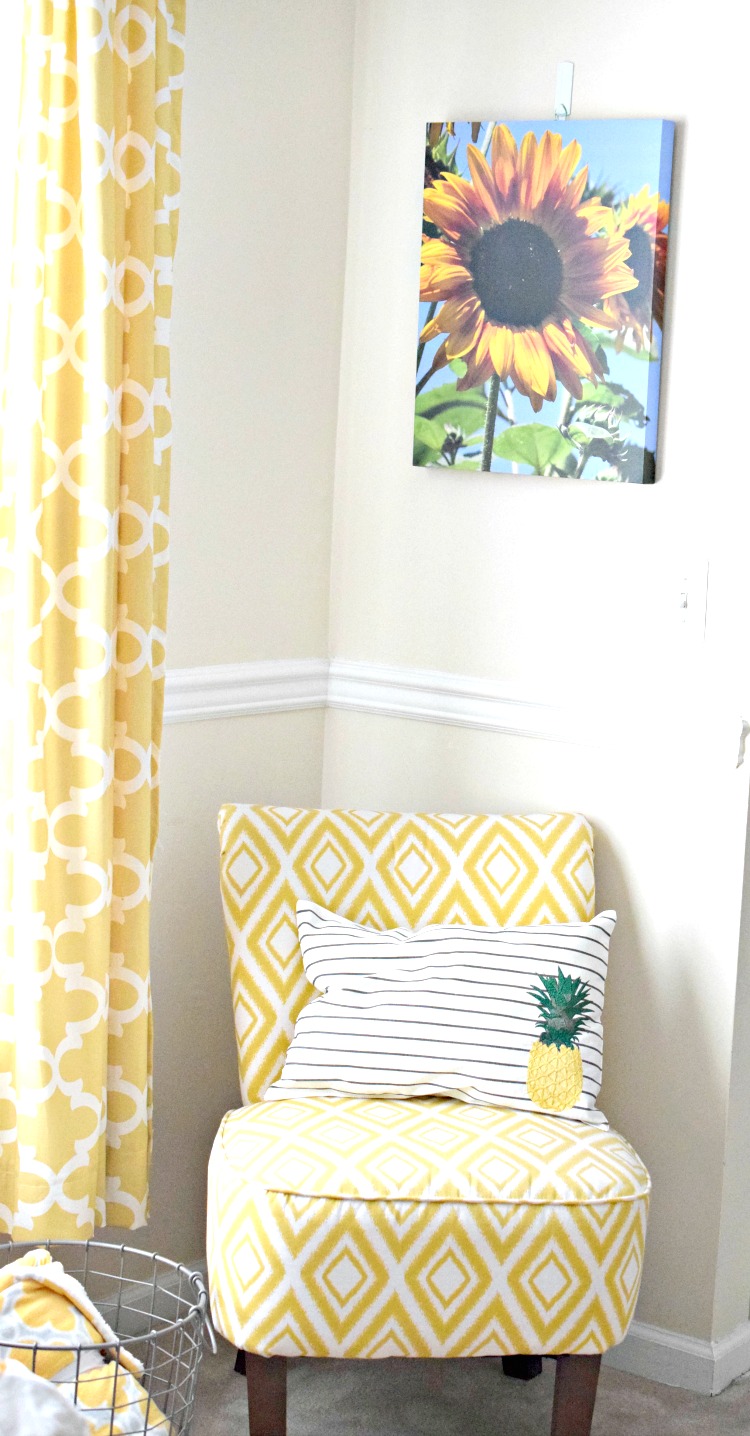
{"x": 347, "y": 1226}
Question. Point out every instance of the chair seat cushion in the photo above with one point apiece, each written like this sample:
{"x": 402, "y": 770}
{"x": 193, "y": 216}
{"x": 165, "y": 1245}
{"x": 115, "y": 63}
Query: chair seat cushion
{"x": 423, "y": 1227}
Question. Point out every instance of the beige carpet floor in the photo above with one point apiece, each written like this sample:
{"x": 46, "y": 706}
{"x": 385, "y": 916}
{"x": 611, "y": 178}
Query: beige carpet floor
{"x": 458, "y": 1398}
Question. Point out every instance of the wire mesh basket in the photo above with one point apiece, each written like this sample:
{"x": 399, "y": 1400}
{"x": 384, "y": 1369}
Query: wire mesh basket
{"x": 156, "y": 1308}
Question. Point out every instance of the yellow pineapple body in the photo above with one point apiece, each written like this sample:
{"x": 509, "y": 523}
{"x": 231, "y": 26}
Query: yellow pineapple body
{"x": 555, "y": 1076}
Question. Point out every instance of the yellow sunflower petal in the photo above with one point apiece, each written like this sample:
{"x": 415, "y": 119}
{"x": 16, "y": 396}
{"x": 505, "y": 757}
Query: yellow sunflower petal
{"x": 431, "y": 330}
{"x": 526, "y": 160}
{"x": 459, "y": 188}
{"x": 568, "y": 161}
{"x": 482, "y": 351}
{"x": 527, "y": 152}
{"x": 531, "y": 358}
{"x": 462, "y": 322}
{"x": 448, "y": 213}
{"x": 441, "y": 281}
{"x": 477, "y": 372}
{"x": 597, "y": 317}
{"x": 462, "y": 340}
{"x": 501, "y": 349}
{"x": 597, "y": 216}
{"x": 457, "y": 311}
{"x": 574, "y": 191}
{"x": 504, "y": 153}
{"x": 484, "y": 183}
{"x": 439, "y": 362}
{"x": 564, "y": 340}
{"x": 545, "y": 163}
{"x": 436, "y": 250}
{"x": 562, "y": 356}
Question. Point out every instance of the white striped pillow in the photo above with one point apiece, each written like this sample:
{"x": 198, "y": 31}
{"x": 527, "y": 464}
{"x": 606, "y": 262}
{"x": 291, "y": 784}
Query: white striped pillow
{"x": 445, "y": 1009}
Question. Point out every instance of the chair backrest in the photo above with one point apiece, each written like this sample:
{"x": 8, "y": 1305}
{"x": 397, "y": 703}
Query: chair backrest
{"x": 385, "y": 869}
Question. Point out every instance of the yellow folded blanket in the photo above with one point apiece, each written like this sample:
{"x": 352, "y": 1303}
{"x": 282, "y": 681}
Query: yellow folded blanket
{"x": 40, "y": 1303}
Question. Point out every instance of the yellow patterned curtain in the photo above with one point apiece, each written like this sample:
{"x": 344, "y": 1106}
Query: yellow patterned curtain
{"x": 89, "y": 190}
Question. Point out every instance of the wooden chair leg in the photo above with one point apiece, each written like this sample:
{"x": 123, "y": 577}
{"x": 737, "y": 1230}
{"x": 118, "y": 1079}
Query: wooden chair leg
{"x": 523, "y": 1368}
{"x": 575, "y": 1394}
{"x": 266, "y": 1394}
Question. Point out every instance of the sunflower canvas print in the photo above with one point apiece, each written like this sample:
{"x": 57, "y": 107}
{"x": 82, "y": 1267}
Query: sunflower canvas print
{"x": 541, "y": 324}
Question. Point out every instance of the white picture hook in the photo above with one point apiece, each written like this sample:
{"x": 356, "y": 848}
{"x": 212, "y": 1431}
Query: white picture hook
{"x": 564, "y": 90}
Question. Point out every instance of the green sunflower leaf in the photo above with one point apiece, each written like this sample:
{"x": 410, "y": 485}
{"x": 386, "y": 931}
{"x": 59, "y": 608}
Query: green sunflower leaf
{"x": 535, "y": 444}
{"x": 467, "y": 410}
{"x": 583, "y": 434}
{"x": 617, "y": 397}
{"x": 429, "y": 432}
{"x": 425, "y": 453}
{"x": 443, "y": 157}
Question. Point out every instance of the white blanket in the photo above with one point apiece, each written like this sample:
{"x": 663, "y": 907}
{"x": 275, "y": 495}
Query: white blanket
{"x": 31, "y": 1406}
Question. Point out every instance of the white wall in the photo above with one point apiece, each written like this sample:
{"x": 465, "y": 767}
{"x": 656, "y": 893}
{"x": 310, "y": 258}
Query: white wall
{"x": 538, "y": 582}
{"x": 549, "y": 584}
{"x": 670, "y": 999}
{"x": 266, "y": 759}
{"x": 256, "y": 330}
{"x": 733, "y": 1263}
{"x": 256, "y": 334}
{"x": 467, "y": 573}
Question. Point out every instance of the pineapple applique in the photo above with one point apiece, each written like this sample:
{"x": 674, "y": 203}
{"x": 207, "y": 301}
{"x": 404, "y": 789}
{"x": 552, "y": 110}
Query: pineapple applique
{"x": 555, "y": 1075}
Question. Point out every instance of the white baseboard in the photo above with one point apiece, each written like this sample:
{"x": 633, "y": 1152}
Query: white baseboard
{"x": 676, "y": 1360}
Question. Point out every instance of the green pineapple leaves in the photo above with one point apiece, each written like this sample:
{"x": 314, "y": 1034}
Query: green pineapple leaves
{"x": 564, "y": 1009}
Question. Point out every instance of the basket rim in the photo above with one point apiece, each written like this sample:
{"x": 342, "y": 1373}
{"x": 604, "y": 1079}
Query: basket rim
{"x": 198, "y": 1309}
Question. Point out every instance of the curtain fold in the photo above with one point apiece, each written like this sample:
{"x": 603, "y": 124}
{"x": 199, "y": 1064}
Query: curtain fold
{"x": 90, "y": 205}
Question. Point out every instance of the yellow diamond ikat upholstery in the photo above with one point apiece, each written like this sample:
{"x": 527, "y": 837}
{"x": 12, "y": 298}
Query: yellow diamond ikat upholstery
{"x": 421, "y": 1227}
{"x": 385, "y": 870}
{"x": 374, "y": 1227}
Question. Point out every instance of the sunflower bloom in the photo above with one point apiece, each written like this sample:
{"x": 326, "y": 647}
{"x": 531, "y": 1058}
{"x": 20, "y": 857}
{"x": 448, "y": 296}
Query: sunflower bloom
{"x": 519, "y": 261}
{"x": 642, "y": 221}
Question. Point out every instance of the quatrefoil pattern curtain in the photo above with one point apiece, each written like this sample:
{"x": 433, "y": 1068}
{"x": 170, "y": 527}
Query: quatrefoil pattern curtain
{"x": 88, "y": 215}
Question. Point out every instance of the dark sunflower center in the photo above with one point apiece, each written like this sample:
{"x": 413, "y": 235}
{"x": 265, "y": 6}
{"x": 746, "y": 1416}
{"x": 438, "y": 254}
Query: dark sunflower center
{"x": 518, "y": 273}
{"x": 641, "y": 262}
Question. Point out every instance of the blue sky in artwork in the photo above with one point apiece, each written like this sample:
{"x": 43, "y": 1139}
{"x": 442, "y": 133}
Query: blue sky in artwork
{"x": 622, "y": 155}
